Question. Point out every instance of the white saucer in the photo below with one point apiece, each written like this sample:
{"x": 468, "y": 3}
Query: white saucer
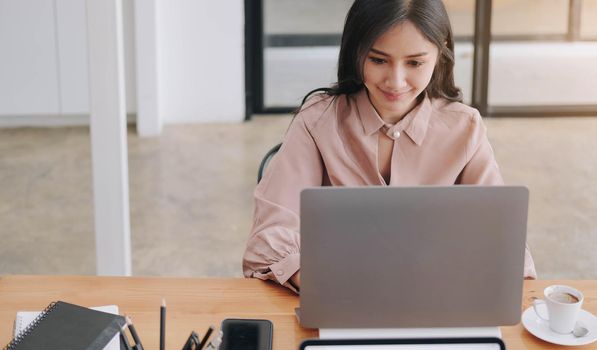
{"x": 540, "y": 328}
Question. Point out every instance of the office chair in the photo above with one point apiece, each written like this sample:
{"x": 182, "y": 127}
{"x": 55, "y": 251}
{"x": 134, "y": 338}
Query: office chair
{"x": 266, "y": 159}
{"x": 272, "y": 152}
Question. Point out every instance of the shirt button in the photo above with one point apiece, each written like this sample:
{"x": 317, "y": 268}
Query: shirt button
{"x": 396, "y": 134}
{"x": 279, "y": 272}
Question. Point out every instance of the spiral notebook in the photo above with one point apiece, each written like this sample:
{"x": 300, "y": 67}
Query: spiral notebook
{"x": 66, "y": 326}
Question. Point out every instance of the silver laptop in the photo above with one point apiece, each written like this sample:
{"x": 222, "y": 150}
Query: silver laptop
{"x": 426, "y": 256}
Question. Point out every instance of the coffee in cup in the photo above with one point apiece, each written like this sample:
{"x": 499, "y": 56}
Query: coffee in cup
{"x": 563, "y": 297}
{"x": 563, "y": 307}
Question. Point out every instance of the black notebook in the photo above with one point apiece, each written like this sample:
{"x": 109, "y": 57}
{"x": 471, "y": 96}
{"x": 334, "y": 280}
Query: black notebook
{"x": 66, "y": 326}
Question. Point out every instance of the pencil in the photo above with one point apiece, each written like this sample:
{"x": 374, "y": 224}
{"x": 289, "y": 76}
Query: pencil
{"x": 163, "y": 325}
{"x": 136, "y": 338}
{"x": 206, "y": 337}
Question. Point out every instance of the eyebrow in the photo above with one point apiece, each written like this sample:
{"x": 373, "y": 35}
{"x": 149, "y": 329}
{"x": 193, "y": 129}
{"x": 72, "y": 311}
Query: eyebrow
{"x": 379, "y": 52}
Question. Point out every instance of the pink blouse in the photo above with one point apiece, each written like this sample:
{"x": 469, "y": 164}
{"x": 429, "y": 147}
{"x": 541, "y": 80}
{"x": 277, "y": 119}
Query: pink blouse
{"x": 334, "y": 141}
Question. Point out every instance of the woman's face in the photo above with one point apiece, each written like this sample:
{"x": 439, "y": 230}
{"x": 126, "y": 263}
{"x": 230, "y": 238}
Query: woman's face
{"x": 397, "y": 69}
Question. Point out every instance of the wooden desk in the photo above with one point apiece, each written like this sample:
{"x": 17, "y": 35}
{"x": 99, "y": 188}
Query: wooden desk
{"x": 195, "y": 303}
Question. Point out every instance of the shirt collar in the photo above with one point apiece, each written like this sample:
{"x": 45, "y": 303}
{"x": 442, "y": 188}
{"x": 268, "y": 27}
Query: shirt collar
{"x": 414, "y": 124}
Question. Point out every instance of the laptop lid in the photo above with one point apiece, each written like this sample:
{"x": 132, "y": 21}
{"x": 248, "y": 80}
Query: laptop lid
{"x": 425, "y": 256}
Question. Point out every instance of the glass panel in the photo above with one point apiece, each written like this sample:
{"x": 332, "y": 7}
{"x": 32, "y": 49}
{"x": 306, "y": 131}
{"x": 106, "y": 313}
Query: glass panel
{"x": 292, "y": 71}
{"x": 543, "y": 73}
{"x": 304, "y": 16}
{"x": 529, "y": 17}
{"x": 462, "y": 18}
{"x": 539, "y": 73}
{"x": 463, "y": 68}
{"x": 588, "y": 19}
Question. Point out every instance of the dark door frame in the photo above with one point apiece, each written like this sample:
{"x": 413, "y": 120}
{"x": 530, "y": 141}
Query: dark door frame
{"x": 253, "y": 57}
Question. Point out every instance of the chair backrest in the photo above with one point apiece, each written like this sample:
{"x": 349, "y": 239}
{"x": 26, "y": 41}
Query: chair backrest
{"x": 266, "y": 159}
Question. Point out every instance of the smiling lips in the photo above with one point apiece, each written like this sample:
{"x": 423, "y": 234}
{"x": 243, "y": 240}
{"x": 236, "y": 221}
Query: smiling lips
{"x": 394, "y": 96}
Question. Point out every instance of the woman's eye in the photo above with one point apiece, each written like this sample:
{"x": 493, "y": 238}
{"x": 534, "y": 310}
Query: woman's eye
{"x": 377, "y": 60}
{"x": 415, "y": 63}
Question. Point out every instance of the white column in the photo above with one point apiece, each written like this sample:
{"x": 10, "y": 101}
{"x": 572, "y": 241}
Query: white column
{"x": 149, "y": 122}
{"x": 108, "y": 137}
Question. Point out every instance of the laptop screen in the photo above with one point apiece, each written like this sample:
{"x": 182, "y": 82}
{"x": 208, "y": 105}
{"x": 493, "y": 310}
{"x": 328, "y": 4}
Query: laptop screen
{"x": 407, "y": 347}
{"x": 405, "y": 344}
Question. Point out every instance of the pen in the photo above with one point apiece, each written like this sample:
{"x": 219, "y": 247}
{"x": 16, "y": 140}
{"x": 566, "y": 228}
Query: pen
{"x": 138, "y": 345}
{"x": 123, "y": 339}
{"x": 163, "y": 325}
{"x": 206, "y": 337}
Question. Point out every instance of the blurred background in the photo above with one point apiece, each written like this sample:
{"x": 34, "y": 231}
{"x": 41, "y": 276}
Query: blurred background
{"x": 208, "y": 88}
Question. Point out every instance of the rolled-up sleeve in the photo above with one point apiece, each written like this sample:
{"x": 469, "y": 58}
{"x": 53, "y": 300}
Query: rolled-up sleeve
{"x": 273, "y": 247}
{"x": 482, "y": 169}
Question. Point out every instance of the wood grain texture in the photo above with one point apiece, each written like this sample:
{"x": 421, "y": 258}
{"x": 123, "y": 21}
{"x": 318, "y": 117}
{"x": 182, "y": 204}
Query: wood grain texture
{"x": 196, "y": 303}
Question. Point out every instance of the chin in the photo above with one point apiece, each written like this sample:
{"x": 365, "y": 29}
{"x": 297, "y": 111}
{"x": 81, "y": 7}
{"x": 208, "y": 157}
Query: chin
{"x": 399, "y": 105}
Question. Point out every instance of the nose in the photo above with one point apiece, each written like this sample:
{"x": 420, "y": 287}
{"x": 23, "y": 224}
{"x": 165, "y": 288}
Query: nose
{"x": 396, "y": 78}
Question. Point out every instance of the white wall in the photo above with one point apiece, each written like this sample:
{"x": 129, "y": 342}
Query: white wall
{"x": 43, "y": 68}
{"x": 71, "y": 26}
{"x": 28, "y": 60}
{"x": 201, "y": 67}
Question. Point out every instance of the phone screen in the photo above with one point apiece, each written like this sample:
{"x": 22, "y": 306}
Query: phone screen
{"x": 246, "y": 334}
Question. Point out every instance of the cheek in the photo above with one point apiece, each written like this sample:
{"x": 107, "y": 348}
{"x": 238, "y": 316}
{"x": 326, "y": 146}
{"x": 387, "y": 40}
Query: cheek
{"x": 372, "y": 73}
{"x": 422, "y": 78}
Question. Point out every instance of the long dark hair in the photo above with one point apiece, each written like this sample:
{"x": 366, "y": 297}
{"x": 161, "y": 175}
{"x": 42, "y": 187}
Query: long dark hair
{"x": 367, "y": 20}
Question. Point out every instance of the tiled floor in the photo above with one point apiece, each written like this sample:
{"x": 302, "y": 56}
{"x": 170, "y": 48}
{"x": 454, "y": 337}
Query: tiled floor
{"x": 191, "y": 195}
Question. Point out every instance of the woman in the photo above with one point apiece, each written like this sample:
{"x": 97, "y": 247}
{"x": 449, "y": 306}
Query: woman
{"x": 393, "y": 118}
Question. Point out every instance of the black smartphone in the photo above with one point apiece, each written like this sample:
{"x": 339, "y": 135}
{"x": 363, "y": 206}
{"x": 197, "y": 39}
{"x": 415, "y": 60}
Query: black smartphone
{"x": 247, "y": 334}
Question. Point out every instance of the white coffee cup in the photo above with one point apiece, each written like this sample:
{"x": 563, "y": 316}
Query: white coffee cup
{"x": 563, "y": 306}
